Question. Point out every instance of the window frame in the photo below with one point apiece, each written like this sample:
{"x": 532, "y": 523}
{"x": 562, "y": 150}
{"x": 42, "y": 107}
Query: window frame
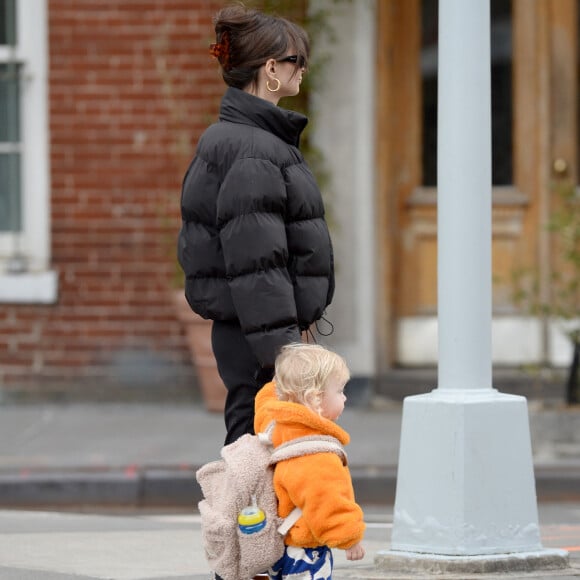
{"x": 34, "y": 282}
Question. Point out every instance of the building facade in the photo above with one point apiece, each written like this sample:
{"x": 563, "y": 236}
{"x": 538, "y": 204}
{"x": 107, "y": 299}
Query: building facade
{"x": 102, "y": 103}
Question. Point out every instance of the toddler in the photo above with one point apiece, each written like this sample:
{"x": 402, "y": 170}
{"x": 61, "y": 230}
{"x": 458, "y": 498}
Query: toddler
{"x": 305, "y": 398}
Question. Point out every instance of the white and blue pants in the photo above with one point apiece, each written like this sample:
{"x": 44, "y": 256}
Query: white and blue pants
{"x": 303, "y": 564}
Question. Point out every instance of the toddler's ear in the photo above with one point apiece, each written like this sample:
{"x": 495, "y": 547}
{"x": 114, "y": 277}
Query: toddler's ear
{"x": 312, "y": 401}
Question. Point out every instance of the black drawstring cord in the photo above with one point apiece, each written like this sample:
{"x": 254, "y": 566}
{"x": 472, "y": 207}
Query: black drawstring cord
{"x": 329, "y": 324}
{"x": 309, "y": 335}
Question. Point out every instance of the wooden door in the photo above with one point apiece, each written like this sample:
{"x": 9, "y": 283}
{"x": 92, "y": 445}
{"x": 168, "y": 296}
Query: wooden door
{"x": 560, "y": 204}
{"x": 535, "y": 135}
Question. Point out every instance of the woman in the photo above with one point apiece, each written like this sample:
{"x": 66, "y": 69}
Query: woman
{"x": 254, "y": 244}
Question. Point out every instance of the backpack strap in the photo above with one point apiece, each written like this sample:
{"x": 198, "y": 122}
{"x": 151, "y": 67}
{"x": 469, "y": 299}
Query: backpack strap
{"x": 309, "y": 445}
{"x": 289, "y": 521}
{"x": 265, "y": 437}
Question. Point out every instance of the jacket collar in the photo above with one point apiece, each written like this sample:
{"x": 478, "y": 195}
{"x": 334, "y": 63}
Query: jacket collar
{"x": 240, "y": 107}
{"x": 296, "y": 420}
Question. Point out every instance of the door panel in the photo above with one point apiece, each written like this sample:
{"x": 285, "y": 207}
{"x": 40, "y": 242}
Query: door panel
{"x": 562, "y": 188}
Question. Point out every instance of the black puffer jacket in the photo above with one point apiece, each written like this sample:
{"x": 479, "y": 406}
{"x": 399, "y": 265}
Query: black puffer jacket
{"x": 254, "y": 245}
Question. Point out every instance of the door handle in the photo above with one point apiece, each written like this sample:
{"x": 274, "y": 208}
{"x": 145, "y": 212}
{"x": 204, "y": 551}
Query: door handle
{"x": 560, "y": 167}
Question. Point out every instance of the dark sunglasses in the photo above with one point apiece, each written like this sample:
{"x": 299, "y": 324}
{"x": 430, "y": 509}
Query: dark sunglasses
{"x": 294, "y": 59}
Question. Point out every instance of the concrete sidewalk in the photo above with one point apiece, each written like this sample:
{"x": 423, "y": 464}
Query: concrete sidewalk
{"x": 144, "y": 455}
{"x": 75, "y": 546}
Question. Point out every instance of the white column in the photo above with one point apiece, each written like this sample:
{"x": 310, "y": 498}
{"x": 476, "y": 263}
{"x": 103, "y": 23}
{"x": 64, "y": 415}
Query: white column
{"x": 465, "y": 486}
{"x": 464, "y": 195}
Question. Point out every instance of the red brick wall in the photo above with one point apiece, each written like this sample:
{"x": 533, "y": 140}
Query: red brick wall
{"x": 132, "y": 86}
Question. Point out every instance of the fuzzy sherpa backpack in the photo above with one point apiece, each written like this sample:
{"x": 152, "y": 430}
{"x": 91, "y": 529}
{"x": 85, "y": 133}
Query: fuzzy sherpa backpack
{"x": 244, "y": 476}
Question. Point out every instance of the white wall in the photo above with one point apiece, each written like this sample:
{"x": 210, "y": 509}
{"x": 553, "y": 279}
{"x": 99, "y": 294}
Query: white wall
{"x": 344, "y": 112}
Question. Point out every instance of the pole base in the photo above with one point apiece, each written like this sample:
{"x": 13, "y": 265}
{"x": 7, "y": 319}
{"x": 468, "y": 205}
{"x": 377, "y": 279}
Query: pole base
{"x": 465, "y": 484}
{"x": 414, "y": 563}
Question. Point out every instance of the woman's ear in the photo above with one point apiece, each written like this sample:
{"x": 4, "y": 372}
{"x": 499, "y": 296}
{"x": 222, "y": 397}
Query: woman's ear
{"x": 270, "y": 67}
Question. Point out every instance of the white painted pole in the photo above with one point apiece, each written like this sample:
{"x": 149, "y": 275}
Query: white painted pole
{"x": 464, "y": 195}
{"x": 465, "y": 498}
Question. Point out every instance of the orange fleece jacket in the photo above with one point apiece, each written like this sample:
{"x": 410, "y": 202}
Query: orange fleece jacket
{"x": 320, "y": 485}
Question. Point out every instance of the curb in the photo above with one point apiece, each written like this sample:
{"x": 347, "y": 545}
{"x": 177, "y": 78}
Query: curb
{"x": 176, "y": 488}
{"x": 130, "y": 488}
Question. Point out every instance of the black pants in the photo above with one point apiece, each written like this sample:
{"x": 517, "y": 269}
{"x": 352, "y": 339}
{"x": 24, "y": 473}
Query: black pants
{"x": 242, "y": 375}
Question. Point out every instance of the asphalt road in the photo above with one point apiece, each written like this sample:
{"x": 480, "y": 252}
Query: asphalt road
{"x": 44, "y": 545}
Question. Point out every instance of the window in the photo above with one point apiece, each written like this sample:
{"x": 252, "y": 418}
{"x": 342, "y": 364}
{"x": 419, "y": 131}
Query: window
{"x": 24, "y": 172}
{"x": 9, "y": 124}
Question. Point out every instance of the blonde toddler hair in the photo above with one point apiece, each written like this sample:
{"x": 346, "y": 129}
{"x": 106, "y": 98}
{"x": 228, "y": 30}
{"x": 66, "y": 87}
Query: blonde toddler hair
{"x": 303, "y": 370}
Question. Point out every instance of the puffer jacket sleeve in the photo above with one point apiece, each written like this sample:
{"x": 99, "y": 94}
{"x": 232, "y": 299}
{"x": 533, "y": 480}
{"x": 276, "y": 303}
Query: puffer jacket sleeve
{"x": 250, "y": 215}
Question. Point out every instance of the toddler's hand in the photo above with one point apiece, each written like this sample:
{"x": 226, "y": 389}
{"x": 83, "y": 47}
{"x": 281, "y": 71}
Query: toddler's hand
{"x": 356, "y": 552}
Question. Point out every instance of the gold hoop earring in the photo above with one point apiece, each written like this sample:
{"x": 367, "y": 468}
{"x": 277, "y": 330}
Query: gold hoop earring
{"x": 277, "y": 86}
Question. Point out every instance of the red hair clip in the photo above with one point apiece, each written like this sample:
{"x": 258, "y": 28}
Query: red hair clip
{"x": 221, "y": 50}
{"x": 216, "y": 50}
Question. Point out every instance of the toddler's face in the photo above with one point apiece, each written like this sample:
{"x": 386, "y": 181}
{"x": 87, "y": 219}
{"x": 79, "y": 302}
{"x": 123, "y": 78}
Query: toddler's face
{"x": 333, "y": 399}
